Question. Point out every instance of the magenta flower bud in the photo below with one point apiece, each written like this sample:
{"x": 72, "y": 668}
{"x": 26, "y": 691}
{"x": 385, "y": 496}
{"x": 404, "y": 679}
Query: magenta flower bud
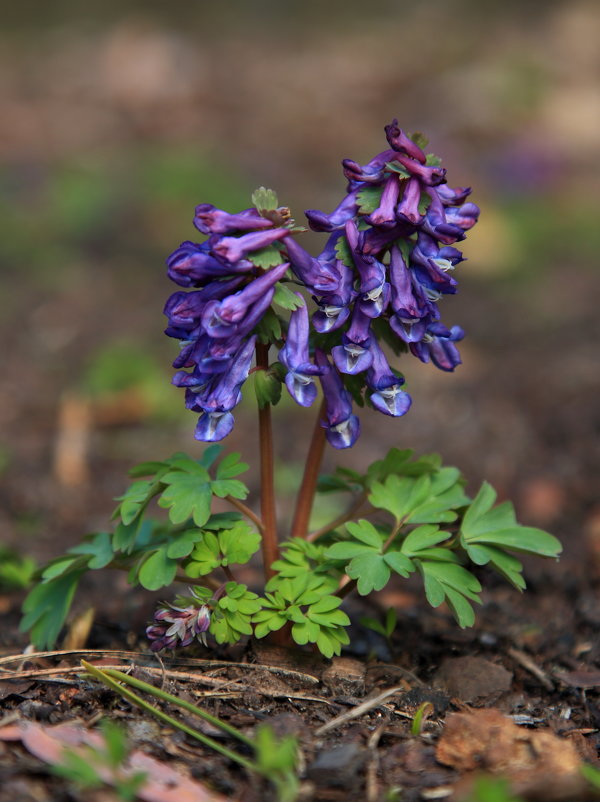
{"x": 408, "y": 208}
{"x": 347, "y": 209}
{"x": 385, "y": 215}
{"x": 178, "y": 626}
{"x": 372, "y": 172}
{"x": 431, "y": 176}
{"x": 402, "y": 143}
{"x": 210, "y": 220}
{"x": 232, "y": 249}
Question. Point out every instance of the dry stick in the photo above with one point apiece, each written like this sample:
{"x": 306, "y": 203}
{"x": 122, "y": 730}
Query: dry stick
{"x": 270, "y": 548}
{"x": 306, "y": 494}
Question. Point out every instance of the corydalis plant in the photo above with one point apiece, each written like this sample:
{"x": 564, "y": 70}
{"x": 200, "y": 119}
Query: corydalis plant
{"x": 255, "y": 301}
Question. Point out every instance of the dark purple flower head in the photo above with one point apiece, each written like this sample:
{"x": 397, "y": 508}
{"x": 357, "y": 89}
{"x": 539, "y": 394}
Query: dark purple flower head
{"x": 178, "y": 626}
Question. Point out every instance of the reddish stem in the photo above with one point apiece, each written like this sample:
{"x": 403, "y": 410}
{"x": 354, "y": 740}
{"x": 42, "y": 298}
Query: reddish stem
{"x": 306, "y": 494}
{"x": 270, "y": 549}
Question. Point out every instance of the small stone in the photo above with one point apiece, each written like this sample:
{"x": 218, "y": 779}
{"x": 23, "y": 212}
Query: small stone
{"x": 338, "y": 766}
{"x": 472, "y": 678}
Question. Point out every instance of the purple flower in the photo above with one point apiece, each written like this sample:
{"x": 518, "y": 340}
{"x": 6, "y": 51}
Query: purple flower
{"x": 294, "y": 355}
{"x": 370, "y": 173}
{"x": 221, "y": 395}
{"x": 402, "y": 143}
{"x": 233, "y": 249}
{"x": 385, "y": 214}
{"x": 342, "y": 427}
{"x": 347, "y": 209}
{"x": 178, "y": 626}
{"x": 408, "y": 208}
{"x": 192, "y": 264}
{"x": 388, "y": 397}
{"x": 210, "y": 220}
{"x": 353, "y": 355}
{"x": 405, "y": 303}
{"x": 317, "y": 274}
{"x": 223, "y": 318}
{"x": 438, "y": 346}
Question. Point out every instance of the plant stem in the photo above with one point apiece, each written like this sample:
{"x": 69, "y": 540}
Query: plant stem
{"x": 306, "y": 494}
{"x": 245, "y": 510}
{"x": 270, "y": 548}
{"x": 341, "y": 519}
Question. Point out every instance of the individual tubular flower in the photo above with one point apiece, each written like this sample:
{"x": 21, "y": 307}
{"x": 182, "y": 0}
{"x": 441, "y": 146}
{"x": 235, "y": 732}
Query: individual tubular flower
{"x": 438, "y": 346}
{"x": 178, "y": 626}
{"x": 388, "y": 397}
{"x": 221, "y": 395}
{"x": 342, "y": 428}
{"x": 210, "y": 220}
{"x": 300, "y": 377}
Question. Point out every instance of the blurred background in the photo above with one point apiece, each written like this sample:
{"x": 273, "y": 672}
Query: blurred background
{"x": 118, "y": 118}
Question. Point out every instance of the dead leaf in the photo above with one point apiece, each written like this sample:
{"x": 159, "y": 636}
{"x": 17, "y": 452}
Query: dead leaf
{"x": 537, "y": 763}
{"x": 162, "y": 783}
{"x": 580, "y": 679}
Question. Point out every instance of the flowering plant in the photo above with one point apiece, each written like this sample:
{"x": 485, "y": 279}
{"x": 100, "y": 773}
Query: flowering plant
{"x": 255, "y": 302}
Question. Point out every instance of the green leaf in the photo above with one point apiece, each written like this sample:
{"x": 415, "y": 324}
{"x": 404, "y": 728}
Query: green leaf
{"x": 267, "y": 388}
{"x": 419, "y": 139}
{"x": 399, "y": 563}
{"x": 182, "y": 544}
{"x": 239, "y": 544}
{"x": 222, "y": 520}
{"x": 286, "y": 299}
{"x": 396, "y": 167}
{"x": 369, "y": 199}
{"x": 146, "y": 469}
{"x": 187, "y": 496}
{"x": 135, "y": 498}
{"x": 229, "y": 487}
{"x": 343, "y": 251}
{"x": 99, "y": 546}
{"x": 365, "y": 532}
{"x": 431, "y": 160}
{"x": 400, "y": 496}
{"x": 424, "y": 203}
{"x": 46, "y": 607}
{"x": 268, "y": 329}
{"x": 484, "y": 525}
{"x": 265, "y": 200}
{"x": 423, "y": 537}
{"x": 158, "y": 570}
{"x": 371, "y": 571}
{"x": 453, "y": 583}
{"x": 230, "y": 466}
{"x": 59, "y": 566}
{"x": 211, "y": 453}
{"x": 269, "y": 256}
{"x": 205, "y": 556}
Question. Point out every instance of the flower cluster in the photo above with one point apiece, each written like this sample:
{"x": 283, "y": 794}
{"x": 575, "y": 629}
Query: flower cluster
{"x": 216, "y": 322}
{"x": 178, "y": 626}
{"x": 387, "y": 263}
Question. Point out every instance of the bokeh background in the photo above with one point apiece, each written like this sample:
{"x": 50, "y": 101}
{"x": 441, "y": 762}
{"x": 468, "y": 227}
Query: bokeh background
{"x": 119, "y": 117}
